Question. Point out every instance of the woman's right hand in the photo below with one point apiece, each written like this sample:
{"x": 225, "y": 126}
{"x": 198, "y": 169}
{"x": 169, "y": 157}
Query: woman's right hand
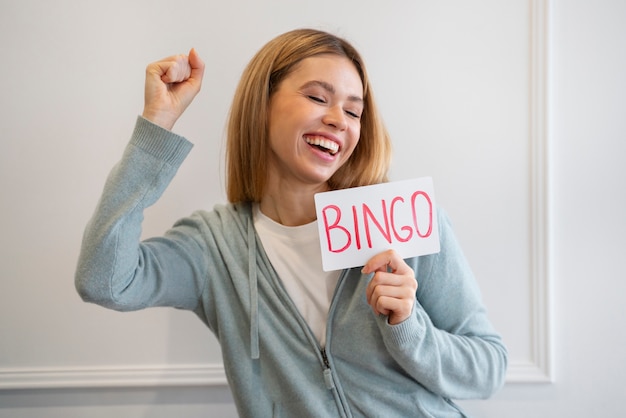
{"x": 171, "y": 85}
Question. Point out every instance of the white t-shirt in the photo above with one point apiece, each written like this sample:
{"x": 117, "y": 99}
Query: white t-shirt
{"x": 295, "y": 253}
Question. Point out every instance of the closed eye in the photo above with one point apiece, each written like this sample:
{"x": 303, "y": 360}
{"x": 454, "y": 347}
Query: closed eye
{"x": 353, "y": 114}
{"x": 316, "y": 99}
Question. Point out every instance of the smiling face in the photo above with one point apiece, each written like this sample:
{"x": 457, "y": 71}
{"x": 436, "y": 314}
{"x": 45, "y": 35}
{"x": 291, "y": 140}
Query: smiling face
{"x": 314, "y": 121}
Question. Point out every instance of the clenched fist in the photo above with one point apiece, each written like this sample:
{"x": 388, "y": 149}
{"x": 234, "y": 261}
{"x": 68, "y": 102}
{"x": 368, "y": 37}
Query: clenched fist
{"x": 171, "y": 85}
{"x": 391, "y": 292}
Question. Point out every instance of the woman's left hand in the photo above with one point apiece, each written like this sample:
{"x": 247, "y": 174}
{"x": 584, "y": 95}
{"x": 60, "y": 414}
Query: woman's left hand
{"x": 391, "y": 291}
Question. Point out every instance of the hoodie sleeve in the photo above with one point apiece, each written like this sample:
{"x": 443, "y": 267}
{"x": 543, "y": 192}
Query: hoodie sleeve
{"x": 448, "y": 345}
{"x": 115, "y": 269}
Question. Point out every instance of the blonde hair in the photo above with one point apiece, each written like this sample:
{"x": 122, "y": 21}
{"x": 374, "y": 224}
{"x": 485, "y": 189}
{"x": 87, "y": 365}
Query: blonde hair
{"x": 248, "y": 124}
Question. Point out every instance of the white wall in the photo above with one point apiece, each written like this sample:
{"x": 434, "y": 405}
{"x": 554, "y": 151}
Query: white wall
{"x": 588, "y": 198}
{"x": 71, "y": 79}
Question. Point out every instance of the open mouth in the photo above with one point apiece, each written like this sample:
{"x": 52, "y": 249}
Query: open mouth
{"x": 323, "y": 144}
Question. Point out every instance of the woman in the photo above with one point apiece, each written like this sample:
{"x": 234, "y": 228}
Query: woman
{"x": 296, "y": 341}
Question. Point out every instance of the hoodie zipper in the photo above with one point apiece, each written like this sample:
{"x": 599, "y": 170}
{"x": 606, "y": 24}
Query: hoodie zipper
{"x": 328, "y": 373}
{"x": 325, "y": 358}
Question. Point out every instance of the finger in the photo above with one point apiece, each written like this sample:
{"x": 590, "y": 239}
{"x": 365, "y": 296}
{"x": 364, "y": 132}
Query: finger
{"x": 375, "y": 293}
{"x": 386, "y": 261}
{"x": 396, "y": 309}
{"x": 175, "y": 70}
{"x": 382, "y": 278}
{"x": 385, "y": 304}
{"x": 394, "y": 287}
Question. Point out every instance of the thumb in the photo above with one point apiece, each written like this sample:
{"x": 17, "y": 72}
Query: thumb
{"x": 196, "y": 64}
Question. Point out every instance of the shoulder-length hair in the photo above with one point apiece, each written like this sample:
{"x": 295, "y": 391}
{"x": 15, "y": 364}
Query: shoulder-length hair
{"x": 248, "y": 124}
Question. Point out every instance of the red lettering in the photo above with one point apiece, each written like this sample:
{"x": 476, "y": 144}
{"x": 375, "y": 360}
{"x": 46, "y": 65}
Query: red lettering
{"x": 357, "y": 234}
{"x": 367, "y": 213}
{"x": 405, "y": 228}
{"x": 430, "y": 213}
{"x": 335, "y": 225}
{"x": 376, "y": 223}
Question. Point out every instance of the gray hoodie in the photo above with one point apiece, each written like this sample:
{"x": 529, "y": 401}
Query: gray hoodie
{"x": 213, "y": 264}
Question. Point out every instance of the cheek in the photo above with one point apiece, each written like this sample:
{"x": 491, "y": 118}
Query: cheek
{"x": 353, "y": 144}
{"x": 355, "y": 135}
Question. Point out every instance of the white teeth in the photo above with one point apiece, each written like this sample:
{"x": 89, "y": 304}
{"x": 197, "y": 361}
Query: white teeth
{"x": 331, "y": 146}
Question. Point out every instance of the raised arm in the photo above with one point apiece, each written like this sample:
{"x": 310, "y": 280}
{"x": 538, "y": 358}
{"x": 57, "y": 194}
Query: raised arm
{"x": 115, "y": 269}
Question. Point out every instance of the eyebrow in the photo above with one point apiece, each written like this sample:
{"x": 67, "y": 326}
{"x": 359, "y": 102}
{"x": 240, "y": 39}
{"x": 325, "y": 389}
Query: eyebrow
{"x": 331, "y": 89}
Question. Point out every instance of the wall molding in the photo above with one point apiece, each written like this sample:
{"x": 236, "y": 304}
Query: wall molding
{"x": 116, "y": 376}
{"x": 171, "y": 376}
{"x": 536, "y": 370}
{"x": 539, "y": 368}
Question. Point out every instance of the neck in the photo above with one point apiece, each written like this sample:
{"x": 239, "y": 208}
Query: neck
{"x": 291, "y": 206}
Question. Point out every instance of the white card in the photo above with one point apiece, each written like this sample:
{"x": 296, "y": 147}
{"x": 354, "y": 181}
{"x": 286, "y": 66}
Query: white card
{"x": 356, "y": 224}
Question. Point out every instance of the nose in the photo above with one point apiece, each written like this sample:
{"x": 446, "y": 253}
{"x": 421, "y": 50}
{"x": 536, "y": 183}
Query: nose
{"x": 335, "y": 117}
